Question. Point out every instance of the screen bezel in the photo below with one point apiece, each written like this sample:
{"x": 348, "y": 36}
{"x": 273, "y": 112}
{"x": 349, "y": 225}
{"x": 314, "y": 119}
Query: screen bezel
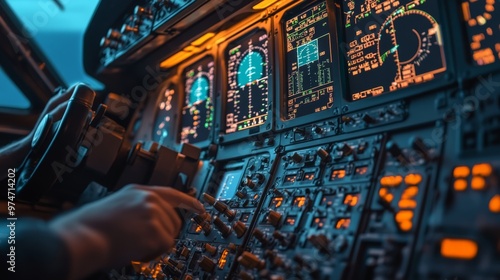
{"x": 181, "y": 74}
{"x": 447, "y": 79}
{"x": 223, "y": 49}
{"x": 281, "y": 86}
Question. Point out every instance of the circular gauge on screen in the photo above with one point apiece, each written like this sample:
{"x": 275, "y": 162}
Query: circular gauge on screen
{"x": 247, "y": 70}
{"x": 197, "y": 110}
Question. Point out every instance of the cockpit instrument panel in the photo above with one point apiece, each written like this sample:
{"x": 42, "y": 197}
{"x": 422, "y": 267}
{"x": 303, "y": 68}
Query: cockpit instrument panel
{"x": 482, "y": 21}
{"x": 198, "y": 108}
{"x": 247, "y": 84}
{"x": 309, "y": 62}
{"x": 391, "y": 45}
{"x": 166, "y": 109}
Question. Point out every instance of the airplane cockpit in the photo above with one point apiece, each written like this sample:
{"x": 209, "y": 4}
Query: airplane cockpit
{"x": 326, "y": 139}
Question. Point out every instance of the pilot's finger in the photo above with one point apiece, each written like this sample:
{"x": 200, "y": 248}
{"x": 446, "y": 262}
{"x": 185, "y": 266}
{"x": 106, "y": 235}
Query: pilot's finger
{"x": 178, "y": 199}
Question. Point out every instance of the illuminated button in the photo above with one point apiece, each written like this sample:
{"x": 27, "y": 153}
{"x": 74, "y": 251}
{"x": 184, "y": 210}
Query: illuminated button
{"x": 458, "y": 249}
{"x": 351, "y": 199}
{"x": 478, "y": 183}
{"x": 403, "y": 216}
{"x": 407, "y": 204}
{"x": 406, "y": 226}
{"x": 495, "y": 204}
{"x": 413, "y": 179}
{"x": 484, "y": 169}
{"x": 383, "y": 192}
{"x": 391, "y": 181}
{"x": 460, "y": 185}
{"x": 388, "y": 197}
{"x": 343, "y": 223}
{"x": 461, "y": 172}
{"x": 410, "y": 192}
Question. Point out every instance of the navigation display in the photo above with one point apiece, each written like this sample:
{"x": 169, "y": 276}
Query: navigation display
{"x": 198, "y": 109}
{"x": 482, "y": 19}
{"x": 391, "y": 45}
{"x": 247, "y": 71}
{"x": 308, "y": 63}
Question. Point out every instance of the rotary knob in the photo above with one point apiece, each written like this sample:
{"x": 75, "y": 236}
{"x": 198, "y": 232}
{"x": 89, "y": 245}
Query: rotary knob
{"x": 239, "y": 228}
{"x": 212, "y": 250}
{"x": 129, "y": 29}
{"x": 260, "y": 178}
{"x": 209, "y": 199}
{"x": 280, "y": 237}
{"x": 259, "y": 235}
{"x": 141, "y": 11}
{"x": 114, "y": 34}
{"x": 274, "y": 218}
{"x": 222, "y": 227}
{"x": 206, "y": 264}
{"x": 323, "y": 154}
{"x": 185, "y": 252}
{"x": 249, "y": 183}
{"x": 396, "y": 152}
{"x": 251, "y": 261}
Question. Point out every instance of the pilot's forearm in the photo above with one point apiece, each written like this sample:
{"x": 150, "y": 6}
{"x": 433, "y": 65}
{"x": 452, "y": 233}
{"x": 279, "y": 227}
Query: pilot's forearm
{"x": 12, "y": 155}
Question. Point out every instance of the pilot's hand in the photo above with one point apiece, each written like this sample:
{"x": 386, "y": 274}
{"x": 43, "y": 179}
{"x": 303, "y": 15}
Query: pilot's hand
{"x": 135, "y": 223}
{"x": 55, "y": 106}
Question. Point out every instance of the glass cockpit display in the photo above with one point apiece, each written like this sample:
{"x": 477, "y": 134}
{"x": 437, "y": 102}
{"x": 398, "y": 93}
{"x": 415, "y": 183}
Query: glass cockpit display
{"x": 198, "y": 110}
{"x": 482, "y": 20}
{"x": 247, "y": 71}
{"x": 308, "y": 63}
{"x": 391, "y": 45}
{"x": 164, "y": 116}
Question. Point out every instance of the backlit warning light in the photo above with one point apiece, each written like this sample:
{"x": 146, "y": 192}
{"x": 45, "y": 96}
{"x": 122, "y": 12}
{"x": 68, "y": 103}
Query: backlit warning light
{"x": 290, "y": 220}
{"x": 328, "y": 200}
{"x": 458, "y": 249}
{"x": 299, "y": 201}
{"x": 343, "y": 223}
{"x": 484, "y": 170}
{"x": 277, "y": 201}
{"x": 198, "y": 229}
{"x": 361, "y": 170}
{"x": 319, "y": 222}
{"x": 461, "y": 172}
{"x": 413, "y": 179}
{"x": 290, "y": 178}
{"x": 391, "y": 181}
{"x": 337, "y": 174}
{"x": 223, "y": 259}
{"x": 495, "y": 204}
{"x": 309, "y": 176}
{"x": 351, "y": 199}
